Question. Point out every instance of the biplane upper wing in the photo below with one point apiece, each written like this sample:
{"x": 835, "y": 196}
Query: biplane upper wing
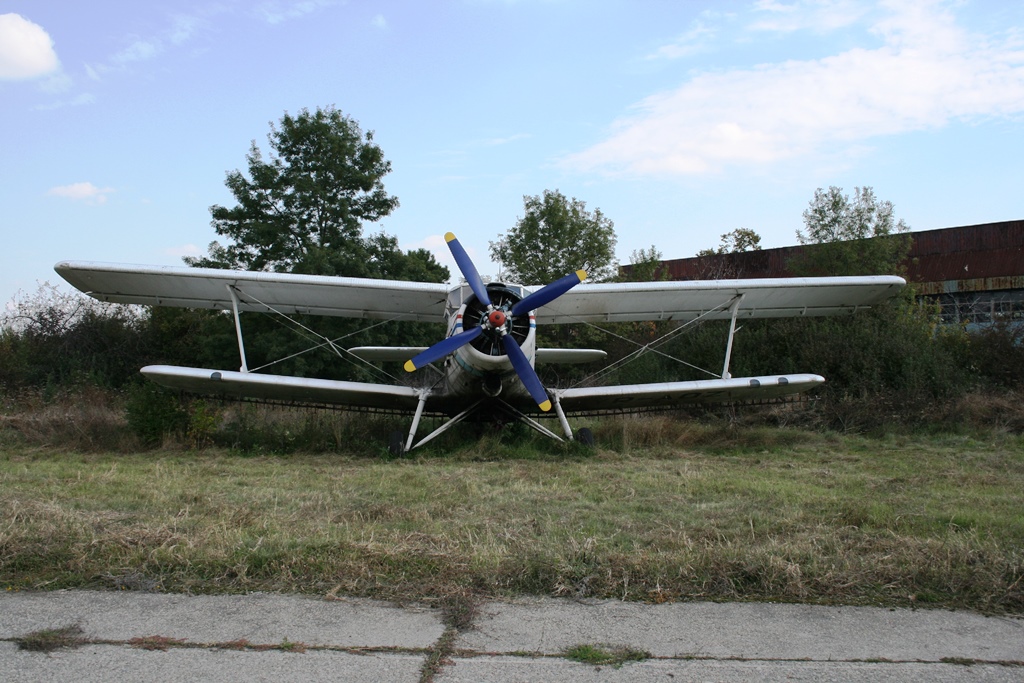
{"x": 258, "y": 291}
{"x": 668, "y": 394}
{"x": 713, "y": 299}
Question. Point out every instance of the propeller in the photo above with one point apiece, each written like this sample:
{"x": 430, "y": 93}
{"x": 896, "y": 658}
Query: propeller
{"x": 527, "y": 375}
{"x": 495, "y": 322}
{"x": 468, "y": 269}
{"x": 549, "y": 293}
{"x": 443, "y": 348}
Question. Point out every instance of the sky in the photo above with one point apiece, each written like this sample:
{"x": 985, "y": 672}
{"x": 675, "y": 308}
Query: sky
{"x": 681, "y": 120}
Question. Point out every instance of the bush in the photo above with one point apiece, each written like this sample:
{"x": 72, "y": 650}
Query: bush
{"x": 60, "y": 340}
{"x": 997, "y": 354}
{"x": 154, "y": 413}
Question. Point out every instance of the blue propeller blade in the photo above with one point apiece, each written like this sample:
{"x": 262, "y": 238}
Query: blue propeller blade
{"x": 443, "y": 348}
{"x": 526, "y": 373}
{"x": 548, "y": 293}
{"x": 469, "y": 271}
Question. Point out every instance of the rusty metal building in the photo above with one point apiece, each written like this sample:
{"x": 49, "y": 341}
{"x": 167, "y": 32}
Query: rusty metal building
{"x": 975, "y": 272}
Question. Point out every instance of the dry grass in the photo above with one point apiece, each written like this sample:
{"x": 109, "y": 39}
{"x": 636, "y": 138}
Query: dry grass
{"x": 675, "y": 512}
{"x": 994, "y": 411}
{"x": 88, "y": 420}
{"x": 52, "y": 639}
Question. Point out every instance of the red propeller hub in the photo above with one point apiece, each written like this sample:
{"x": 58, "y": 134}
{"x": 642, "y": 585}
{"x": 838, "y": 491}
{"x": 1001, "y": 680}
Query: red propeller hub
{"x": 496, "y": 319}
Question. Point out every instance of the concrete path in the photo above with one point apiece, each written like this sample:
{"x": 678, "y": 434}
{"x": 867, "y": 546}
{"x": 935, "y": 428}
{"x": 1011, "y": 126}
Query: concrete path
{"x": 129, "y": 636}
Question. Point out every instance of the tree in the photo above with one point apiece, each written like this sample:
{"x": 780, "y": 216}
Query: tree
{"x": 645, "y": 265}
{"x": 720, "y": 264}
{"x": 737, "y": 241}
{"x": 302, "y": 209}
{"x": 555, "y": 237}
{"x": 858, "y": 236}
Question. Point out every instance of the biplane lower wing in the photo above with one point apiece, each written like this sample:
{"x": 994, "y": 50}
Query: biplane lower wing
{"x": 282, "y": 388}
{"x": 669, "y": 394}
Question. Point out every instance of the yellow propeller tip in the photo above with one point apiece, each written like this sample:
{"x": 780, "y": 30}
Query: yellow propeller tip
{"x": 449, "y": 236}
{"x": 581, "y": 274}
{"x": 545, "y": 406}
{"x": 409, "y": 366}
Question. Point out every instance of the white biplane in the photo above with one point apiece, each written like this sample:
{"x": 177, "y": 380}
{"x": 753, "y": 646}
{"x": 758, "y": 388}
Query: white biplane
{"x": 487, "y": 357}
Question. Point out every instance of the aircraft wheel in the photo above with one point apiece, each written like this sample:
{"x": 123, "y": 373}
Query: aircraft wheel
{"x": 585, "y": 437}
{"x": 396, "y": 443}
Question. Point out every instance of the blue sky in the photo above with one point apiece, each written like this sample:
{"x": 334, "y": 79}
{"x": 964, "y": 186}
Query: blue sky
{"x": 680, "y": 120}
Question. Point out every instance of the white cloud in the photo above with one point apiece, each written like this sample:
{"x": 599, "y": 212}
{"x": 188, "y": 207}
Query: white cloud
{"x": 139, "y": 51}
{"x": 815, "y": 15}
{"x": 86, "y": 192}
{"x": 380, "y": 22}
{"x": 57, "y": 82}
{"x": 438, "y": 246}
{"x": 77, "y": 101}
{"x": 277, "y": 11}
{"x": 178, "y": 31}
{"x": 515, "y": 137}
{"x": 927, "y": 73}
{"x": 26, "y": 49}
{"x": 689, "y": 43}
{"x": 184, "y": 28}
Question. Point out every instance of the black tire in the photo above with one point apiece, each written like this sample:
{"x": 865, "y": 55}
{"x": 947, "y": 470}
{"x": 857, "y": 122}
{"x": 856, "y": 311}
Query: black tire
{"x": 585, "y": 437}
{"x": 396, "y": 443}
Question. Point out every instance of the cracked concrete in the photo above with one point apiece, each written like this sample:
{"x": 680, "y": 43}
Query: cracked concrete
{"x": 264, "y": 637}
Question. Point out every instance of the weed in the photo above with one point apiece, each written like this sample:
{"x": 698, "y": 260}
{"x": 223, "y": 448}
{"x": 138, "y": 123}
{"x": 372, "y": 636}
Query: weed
{"x": 459, "y": 609}
{"x": 959, "y": 661}
{"x": 605, "y": 655}
{"x": 240, "y": 644}
{"x": 49, "y": 640}
{"x": 438, "y": 655}
{"x": 161, "y": 643}
{"x": 290, "y": 646}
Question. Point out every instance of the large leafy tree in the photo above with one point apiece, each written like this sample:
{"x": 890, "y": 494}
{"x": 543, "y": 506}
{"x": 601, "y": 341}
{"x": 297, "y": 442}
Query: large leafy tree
{"x": 555, "y": 237}
{"x": 856, "y": 235}
{"x": 302, "y": 208}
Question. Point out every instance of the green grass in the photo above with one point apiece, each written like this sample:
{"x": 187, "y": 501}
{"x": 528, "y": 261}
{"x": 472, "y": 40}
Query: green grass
{"x": 605, "y": 655}
{"x": 685, "y": 512}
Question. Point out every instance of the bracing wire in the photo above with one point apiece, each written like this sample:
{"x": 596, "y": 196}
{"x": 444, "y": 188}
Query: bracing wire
{"x": 650, "y": 346}
{"x": 327, "y": 342}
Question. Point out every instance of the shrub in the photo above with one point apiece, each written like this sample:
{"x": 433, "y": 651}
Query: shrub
{"x": 154, "y": 412}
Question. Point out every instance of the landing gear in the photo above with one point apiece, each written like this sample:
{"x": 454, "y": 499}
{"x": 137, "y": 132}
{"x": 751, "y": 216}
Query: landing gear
{"x": 585, "y": 437}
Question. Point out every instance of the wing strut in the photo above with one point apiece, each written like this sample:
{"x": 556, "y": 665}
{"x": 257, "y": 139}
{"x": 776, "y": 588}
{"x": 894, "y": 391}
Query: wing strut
{"x": 529, "y": 421}
{"x": 238, "y": 327}
{"x": 443, "y": 428}
{"x": 416, "y": 420}
{"x": 734, "y": 309}
{"x": 561, "y": 417}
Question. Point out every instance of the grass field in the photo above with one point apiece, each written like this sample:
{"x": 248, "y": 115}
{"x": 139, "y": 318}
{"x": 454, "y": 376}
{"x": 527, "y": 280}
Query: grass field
{"x": 664, "y": 512}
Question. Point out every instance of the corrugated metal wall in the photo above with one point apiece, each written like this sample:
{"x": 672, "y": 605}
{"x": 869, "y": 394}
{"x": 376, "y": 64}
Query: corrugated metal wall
{"x": 974, "y": 257}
